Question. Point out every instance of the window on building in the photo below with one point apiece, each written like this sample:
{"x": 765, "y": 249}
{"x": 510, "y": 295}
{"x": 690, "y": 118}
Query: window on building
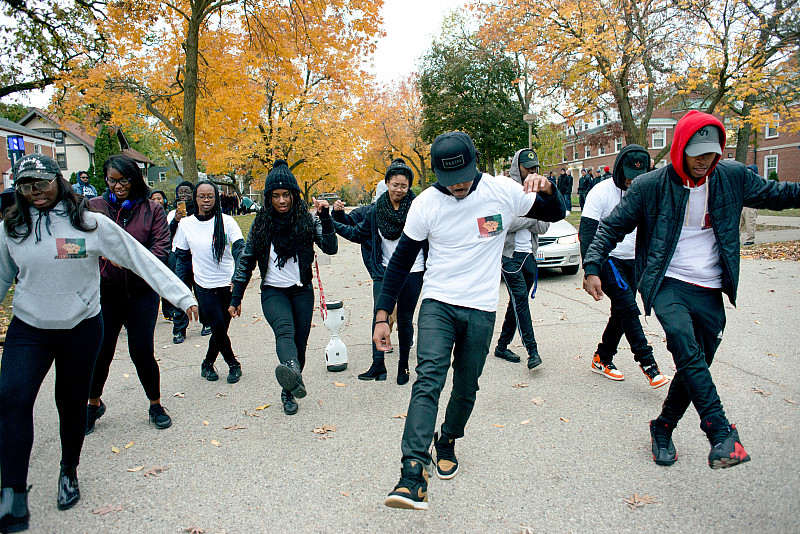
{"x": 659, "y": 138}
{"x": 772, "y": 129}
{"x": 162, "y": 177}
{"x": 58, "y": 135}
{"x": 37, "y": 149}
{"x": 588, "y": 152}
{"x": 151, "y": 183}
{"x": 564, "y": 156}
{"x": 61, "y": 158}
{"x": 598, "y": 119}
{"x": 585, "y": 125}
{"x": 770, "y": 165}
{"x": 618, "y": 144}
{"x": 602, "y": 150}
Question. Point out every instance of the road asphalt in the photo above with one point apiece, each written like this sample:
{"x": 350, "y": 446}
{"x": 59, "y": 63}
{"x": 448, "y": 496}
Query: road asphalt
{"x": 558, "y": 449}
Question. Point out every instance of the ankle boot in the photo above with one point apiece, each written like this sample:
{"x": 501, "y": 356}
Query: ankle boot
{"x": 402, "y": 373}
{"x": 68, "y": 491}
{"x": 14, "y": 515}
{"x": 377, "y": 371}
{"x": 290, "y": 378}
{"x": 289, "y": 405}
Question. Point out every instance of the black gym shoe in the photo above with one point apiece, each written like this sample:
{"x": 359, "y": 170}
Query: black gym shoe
{"x": 205, "y": 331}
{"x": 446, "y": 461}
{"x": 14, "y": 514}
{"x": 661, "y": 442}
{"x": 534, "y": 360}
{"x": 289, "y": 405}
{"x": 376, "y": 371}
{"x": 728, "y": 452}
{"x": 93, "y": 413}
{"x": 411, "y": 493}
{"x": 159, "y": 417}
{"x": 179, "y": 338}
{"x": 234, "y": 373}
{"x": 208, "y": 372}
{"x": 507, "y": 355}
{"x": 291, "y": 379}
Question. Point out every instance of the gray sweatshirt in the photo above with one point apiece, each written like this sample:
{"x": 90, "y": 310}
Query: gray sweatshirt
{"x": 59, "y": 276}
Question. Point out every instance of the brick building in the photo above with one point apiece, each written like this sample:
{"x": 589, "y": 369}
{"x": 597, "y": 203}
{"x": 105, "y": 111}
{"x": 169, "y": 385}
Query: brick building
{"x": 35, "y": 143}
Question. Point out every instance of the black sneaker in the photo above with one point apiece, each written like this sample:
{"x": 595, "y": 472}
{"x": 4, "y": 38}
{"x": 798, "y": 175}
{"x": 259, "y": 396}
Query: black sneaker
{"x": 291, "y": 379}
{"x": 93, "y": 413}
{"x": 159, "y": 417}
{"x": 661, "y": 442}
{"x": 234, "y": 373}
{"x": 289, "y": 405}
{"x": 206, "y": 331}
{"x": 506, "y": 354}
{"x": 411, "y": 493}
{"x": 14, "y": 514}
{"x": 728, "y": 452}
{"x": 208, "y": 372}
{"x": 446, "y": 461}
{"x": 179, "y": 338}
{"x": 534, "y": 360}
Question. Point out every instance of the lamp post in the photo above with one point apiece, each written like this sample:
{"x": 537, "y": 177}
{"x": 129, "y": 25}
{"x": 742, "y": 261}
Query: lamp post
{"x": 529, "y": 118}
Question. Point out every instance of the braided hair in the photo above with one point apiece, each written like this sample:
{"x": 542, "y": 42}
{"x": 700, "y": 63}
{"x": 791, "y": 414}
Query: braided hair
{"x": 219, "y": 241}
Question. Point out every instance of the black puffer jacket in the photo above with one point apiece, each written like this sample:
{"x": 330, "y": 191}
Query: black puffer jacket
{"x": 324, "y": 237}
{"x": 655, "y": 205}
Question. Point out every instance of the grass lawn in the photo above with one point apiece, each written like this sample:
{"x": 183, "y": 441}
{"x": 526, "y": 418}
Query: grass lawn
{"x": 245, "y": 221}
{"x": 791, "y": 212}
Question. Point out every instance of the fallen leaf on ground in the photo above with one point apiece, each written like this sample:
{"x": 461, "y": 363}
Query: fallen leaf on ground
{"x": 400, "y": 416}
{"x": 220, "y": 395}
{"x": 114, "y": 449}
{"x": 319, "y": 402}
{"x": 125, "y": 375}
{"x": 564, "y": 419}
{"x": 254, "y": 322}
{"x": 248, "y": 414}
{"x": 640, "y": 500}
{"x": 538, "y": 401}
{"x": 775, "y": 355}
{"x": 525, "y": 422}
{"x": 194, "y": 530}
{"x": 262, "y": 407}
{"x": 234, "y": 427}
{"x": 579, "y": 356}
{"x": 179, "y": 394}
{"x": 527, "y": 530}
{"x": 790, "y": 401}
{"x": 107, "y": 509}
{"x": 215, "y": 443}
{"x": 339, "y": 385}
{"x": 329, "y": 428}
{"x": 498, "y": 426}
{"x": 345, "y": 493}
{"x": 325, "y": 431}
{"x": 129, "y": 445}
{"x": 154, "y": 471}
{"x": 198, "y": 346}
{"x": 136, "y": 469}
{"x": 761, "y": 392}
{"x": 519, "y": 386}
{"x": 205, "y": 423}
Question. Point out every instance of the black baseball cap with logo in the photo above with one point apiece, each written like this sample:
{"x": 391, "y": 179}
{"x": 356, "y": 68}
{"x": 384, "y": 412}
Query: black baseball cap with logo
{"x": 454, "y": 158}
{"x": 528, "y": 159}
{"x": 36, "y": 166}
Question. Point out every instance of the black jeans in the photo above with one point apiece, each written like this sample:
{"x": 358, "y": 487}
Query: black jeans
{"x": 406, "y": 304}
{"x": 215, "y": 303}
{"x": 180, "y": 321}
{"x": 693, "y": 319}
{"x": 288, "y": 311}
{"x": 619, "y": 283}
{"x": 28, "y": 355}
{"x": 138, "y": 313}
{"x": 519, "y": 273}
{"x": 445, "y": 329}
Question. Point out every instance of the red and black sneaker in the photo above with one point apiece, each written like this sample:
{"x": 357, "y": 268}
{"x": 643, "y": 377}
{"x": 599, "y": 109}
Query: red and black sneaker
{"x": 664, "y": 452}
{"x": 728, "y": 452}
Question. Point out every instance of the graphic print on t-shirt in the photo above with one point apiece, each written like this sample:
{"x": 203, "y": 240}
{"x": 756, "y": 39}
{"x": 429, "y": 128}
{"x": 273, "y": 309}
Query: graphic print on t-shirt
{"x": 68, "y": 249}
{"x": 490, "y": 226}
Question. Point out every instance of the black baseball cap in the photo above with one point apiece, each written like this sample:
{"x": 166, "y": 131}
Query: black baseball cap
{"x": 635, "y": 163}
{"x": 454, "y": 158}
{"x": 36, "y": 166}
{"x": 528, "y": 159}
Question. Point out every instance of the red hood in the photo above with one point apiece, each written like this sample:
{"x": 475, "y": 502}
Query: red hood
{"x": 686, "y": 127}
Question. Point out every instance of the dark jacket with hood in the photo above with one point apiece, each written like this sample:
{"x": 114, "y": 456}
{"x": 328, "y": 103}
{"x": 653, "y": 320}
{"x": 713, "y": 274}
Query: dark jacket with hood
{"x": 146, "y": 221}
{"x": 656, "y": 203}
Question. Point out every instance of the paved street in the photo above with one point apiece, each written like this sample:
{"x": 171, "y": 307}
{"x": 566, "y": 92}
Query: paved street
{"x": 562, "y": 465}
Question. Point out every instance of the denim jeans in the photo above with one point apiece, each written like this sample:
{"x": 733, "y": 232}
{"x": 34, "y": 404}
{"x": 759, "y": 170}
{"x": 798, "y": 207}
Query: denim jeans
{"x": 519, "y": 272}
{"x": 445, "y": 330}
{"x": 693, "y": 319}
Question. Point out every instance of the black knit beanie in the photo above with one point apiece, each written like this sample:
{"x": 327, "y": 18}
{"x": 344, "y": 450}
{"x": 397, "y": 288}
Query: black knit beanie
{"x": 398, "y": 166}
{"x": 280, "y": 177}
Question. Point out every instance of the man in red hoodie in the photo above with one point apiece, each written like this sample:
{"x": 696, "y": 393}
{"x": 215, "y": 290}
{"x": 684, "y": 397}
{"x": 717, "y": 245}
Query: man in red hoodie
{"x": 687, "y": 255}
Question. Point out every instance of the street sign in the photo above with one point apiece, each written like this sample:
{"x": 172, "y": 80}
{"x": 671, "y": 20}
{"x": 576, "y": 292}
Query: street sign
{"x": 16, "y": 148}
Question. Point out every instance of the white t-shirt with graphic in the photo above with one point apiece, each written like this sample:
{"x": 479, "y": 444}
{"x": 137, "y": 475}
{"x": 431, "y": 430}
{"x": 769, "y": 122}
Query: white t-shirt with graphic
{"x": 466, "y": 239}
{"x": 197, "y": 237}
{"x": 696, "y": 259}
{"x": 600, "y": 202}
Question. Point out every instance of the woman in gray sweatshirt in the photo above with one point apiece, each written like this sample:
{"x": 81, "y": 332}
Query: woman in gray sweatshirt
{"x": 51, "y": 243}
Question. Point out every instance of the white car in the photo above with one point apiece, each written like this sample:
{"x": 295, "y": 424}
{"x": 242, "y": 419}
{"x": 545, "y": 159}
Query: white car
{"x": 559, "y": 248}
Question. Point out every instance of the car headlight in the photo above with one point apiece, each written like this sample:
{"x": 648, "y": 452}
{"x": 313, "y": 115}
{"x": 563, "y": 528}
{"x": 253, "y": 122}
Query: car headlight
{"x": 567, "y": 239}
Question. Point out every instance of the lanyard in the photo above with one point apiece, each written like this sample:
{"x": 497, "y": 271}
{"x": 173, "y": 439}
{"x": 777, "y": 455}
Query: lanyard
{"x": 323, "y": 309}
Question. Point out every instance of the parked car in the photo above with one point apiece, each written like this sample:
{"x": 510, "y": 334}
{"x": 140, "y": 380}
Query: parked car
{"x": 559, "y": 248}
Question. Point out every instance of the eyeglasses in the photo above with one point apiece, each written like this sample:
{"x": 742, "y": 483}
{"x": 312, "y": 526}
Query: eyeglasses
{"x": 205, "y": 197}
{"x": 41, "y": 186}
{"x": 121, "y": 181}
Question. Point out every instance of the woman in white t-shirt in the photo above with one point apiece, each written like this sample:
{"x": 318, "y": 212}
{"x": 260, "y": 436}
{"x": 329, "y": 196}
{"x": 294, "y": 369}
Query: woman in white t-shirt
{"x": 382, "y": 227}
{"x": 209, "y": 243}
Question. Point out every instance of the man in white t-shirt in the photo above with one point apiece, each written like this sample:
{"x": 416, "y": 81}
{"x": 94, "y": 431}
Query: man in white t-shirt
{"x": 617, "y": 274}
{"x": 464, "y": 217}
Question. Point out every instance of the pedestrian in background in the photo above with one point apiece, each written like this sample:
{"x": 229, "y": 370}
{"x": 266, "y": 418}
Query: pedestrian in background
{"x": 83, "y": 187}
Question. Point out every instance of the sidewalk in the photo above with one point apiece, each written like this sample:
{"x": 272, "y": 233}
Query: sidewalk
{"x": 561, "y": 464}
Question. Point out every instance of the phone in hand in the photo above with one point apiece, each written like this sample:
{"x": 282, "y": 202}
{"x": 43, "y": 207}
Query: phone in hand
{"x": 182, "y": 208}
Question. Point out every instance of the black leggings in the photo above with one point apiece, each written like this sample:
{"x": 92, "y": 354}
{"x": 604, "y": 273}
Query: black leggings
{"x": 138, "y": 313}
{"x": 288, "y": 311}
{"x": 214, "y": 303}
{"x": 406, "y": 304}
{"x": 28, "y": 354}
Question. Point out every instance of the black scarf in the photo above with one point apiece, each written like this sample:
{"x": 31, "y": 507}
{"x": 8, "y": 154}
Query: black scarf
{"x": 391, "y": 221}
{"x": 285, "y": 240}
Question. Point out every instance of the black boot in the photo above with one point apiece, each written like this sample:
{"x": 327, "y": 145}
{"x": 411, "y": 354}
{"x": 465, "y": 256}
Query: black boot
{"x": 290, "y": 378}
{"x": 377, "y": 371}
{"x": 402, "y": 373}
{"x": 14, "y": 515}
{"x": 289, "y": 405}
{"x": 68, "y": 491}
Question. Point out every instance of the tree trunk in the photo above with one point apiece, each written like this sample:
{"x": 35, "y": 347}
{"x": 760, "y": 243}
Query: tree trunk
{"x": 190, "y": 83}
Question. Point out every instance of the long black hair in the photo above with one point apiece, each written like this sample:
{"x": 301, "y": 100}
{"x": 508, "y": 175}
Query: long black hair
{"x": 19, "y": 222}
{"x": 218, "y": 243}
{"x": 288, "y": 233}
{"x": 129, "y": 169}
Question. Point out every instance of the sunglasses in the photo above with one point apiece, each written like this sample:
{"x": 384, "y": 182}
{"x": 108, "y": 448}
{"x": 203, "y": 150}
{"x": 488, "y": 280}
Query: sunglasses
{"x": 41, "y": 186}
{"x": 121, "y": 181}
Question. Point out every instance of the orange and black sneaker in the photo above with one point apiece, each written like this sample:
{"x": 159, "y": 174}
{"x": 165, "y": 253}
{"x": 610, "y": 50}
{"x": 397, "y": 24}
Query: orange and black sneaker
{"x": 411, "y": 493}
{"x": 609, "y": 370}
{"x": 446, "y": 461}
{"x": 654, "y": 376}
{"x": 728, "y": 452}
